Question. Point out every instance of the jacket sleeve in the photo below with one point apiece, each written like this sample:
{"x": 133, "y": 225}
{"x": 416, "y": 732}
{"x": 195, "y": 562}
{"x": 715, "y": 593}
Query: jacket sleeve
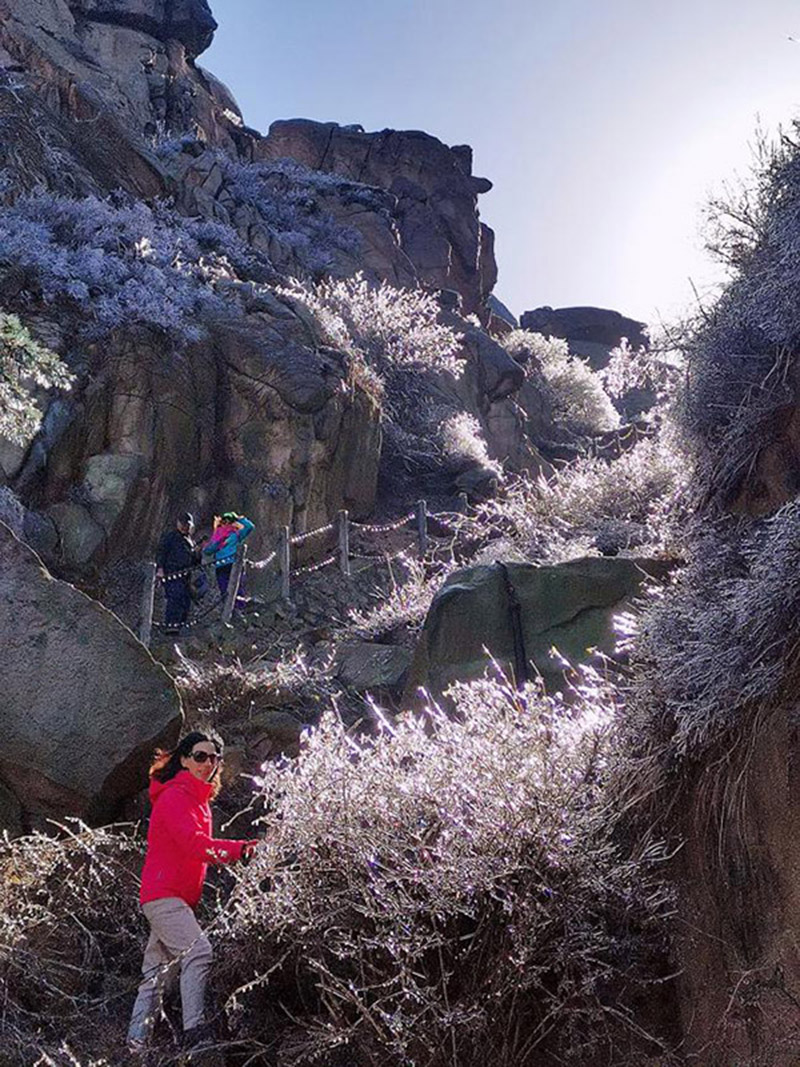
{"x": 161, "y": 553}
{"x": 246, "y": 530}
{"x": 183, "y": 823}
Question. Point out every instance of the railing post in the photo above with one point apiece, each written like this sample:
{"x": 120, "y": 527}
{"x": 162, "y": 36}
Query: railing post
{"x": 233, "y": 583}
{"x": 284, "y": 560}
{"x": 344, "y": 543}
{"x": 463, "y": 503}
{"x": 148, "y": 599}
{"x": 422, "y": 527}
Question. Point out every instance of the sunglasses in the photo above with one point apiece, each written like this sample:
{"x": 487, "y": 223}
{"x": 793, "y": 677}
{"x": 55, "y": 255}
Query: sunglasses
{"x": 201, "y": 757}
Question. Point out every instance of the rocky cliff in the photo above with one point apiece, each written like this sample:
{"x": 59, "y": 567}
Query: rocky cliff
{"x": 98, "y": 96}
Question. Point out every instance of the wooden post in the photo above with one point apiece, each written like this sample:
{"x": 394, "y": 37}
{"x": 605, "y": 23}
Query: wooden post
{"x": 422, "y": 527}
{"x": 233, "y": 583}
{"x": 284, "y": 560}
{"x": 344, "y": 543}
{"x": 463, "y": 503}
{"x": 148, "y": 599}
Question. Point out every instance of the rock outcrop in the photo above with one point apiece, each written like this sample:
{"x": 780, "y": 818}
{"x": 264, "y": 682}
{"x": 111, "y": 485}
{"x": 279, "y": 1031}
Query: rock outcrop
{"x": 433, "y": 190}
{"x": 84, "y": 703}
{"x": 591, "y": 332}
{"x": 123, "y": 63}
{"x": 567, "y": 606}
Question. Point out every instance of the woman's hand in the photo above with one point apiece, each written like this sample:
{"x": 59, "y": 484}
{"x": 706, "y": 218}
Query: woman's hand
{"x": 248, "y": 850}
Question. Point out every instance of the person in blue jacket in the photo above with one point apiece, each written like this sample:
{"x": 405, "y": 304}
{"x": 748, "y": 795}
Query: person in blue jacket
{"x": 230, "y": 530}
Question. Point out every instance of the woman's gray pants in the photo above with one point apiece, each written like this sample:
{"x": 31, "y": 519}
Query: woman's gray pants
{"x": 175, "y": 940}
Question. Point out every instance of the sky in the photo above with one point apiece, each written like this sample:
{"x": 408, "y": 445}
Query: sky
{"x": 603, "y": 124}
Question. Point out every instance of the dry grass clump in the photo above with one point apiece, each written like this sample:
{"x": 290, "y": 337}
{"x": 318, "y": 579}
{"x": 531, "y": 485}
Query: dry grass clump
{"x": 69, "y": 944}
{"x": 448, "y": 892}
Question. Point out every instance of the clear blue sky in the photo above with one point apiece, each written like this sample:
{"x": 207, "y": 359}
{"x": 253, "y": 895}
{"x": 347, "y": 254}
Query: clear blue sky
{"x": 603, "y": 124}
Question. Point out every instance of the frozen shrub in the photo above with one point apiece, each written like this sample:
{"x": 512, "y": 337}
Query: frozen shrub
{"x": 441, "y": 896}
{"x": 741, "y": 352}
{"x": 575, "y": 393}
{"x": 639, "y": 368}
{"x": 69, "y": 944}
{"x": 289, "y": 200}
{"x": 121, "y": 261}
{"x": 24, "y": 363}
{"x": 390, "y": 329}
{"x": 287, "y": 197}
{"x": 404, "y": 605}
{"x": 596, "y": 498}
{"x": 721, "y": 643}
{"x": 463, "y": 443}
{"x": 396, "y": 344}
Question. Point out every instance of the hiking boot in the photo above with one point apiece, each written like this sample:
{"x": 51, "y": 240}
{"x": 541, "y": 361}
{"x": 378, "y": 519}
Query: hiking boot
{"x": 137, "y": 1049}
{"x": 199, "y": 1037}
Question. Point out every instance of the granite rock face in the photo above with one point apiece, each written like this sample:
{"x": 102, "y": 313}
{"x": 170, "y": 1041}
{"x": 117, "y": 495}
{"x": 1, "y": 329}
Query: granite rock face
{"x": 126, "y": 64}
{"x": 189, "y": 22}
{"x": 251, "y": 417}
{"x": 75, "y": 682}
{"x": 434, "y": 191}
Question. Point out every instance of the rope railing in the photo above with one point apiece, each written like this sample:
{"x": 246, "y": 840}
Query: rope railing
{"x": 281, "y": 558}
{"x": 388, "y": 527}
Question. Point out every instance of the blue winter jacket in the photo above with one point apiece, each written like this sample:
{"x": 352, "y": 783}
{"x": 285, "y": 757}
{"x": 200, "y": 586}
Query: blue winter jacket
{"x": 226, "y": 552}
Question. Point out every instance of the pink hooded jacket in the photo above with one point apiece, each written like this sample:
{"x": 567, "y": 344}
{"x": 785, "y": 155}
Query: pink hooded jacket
{"x": 179, "y": 841}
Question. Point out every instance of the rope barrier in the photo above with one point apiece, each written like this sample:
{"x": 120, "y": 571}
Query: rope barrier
{"x": 191, "y": 623}
{"x": 298, "y": 539}
{"x": 258, "y": 565}
{"x": 311, "y": 567}
{"x": 387, "y": 528}
{"x": 194, "y": 567}
{"x": 281, "y": 554}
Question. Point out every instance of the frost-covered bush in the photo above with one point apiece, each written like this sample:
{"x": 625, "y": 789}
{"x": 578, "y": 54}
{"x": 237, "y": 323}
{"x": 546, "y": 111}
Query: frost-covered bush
{"x": 634, "y": 500}
{"x": 575, "y": 393}
{"x": 289, "y": 200}
{"x": 287, "y": 197}
{"x": 390, "y": 329}
{"x": 741, "y": 354}
{"x": 721, "y": 644}
{"x": 397, "y": 347}
{"x": 120, "y": 261}
{"x": 463, "y": 443}
{"x": 639, "y": 368}
{"x": 24, "y": 363}
{"x": 69, "y": 945}
{"x": 404, "y": 605}
{"x": 441, "y": 897}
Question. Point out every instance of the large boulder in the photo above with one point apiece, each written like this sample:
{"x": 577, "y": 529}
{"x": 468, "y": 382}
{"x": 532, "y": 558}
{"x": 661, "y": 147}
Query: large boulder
{"x": 188, "y": 21}
{"x": 84, "y": 702}
{"x": 568, "y": 606}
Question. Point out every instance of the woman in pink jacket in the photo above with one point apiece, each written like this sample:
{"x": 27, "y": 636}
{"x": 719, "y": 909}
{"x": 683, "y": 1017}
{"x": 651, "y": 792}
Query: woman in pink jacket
{"x": 179, "y": 849}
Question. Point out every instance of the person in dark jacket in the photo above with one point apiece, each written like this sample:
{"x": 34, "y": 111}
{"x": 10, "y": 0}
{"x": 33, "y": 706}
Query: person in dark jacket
{"x": 177, "y": 552}
{"x": 180, "y": 846}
